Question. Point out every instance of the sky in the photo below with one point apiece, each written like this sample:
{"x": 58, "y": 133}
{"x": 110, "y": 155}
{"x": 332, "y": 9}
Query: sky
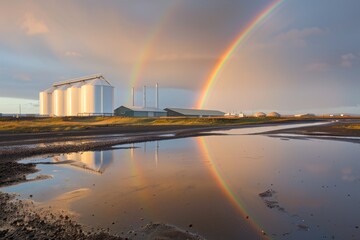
{"x": 303, "y": 57}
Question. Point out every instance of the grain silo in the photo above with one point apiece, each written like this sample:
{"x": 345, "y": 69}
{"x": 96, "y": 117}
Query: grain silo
{"x": 59, "y": 101}
{"x": 46, "y": 101}
{"x": 73, "y": 99}
{"x": 86, "y": 96}
{"x": 97, "y": 97}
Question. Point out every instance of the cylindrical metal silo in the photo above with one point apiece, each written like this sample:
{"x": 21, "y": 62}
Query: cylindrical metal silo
{"x": 73, "y": 98}
{"x": 89, "y": 95}
{"x": 97, "y": 97}
{"x": 108, "y": 99}
{"x": 59, "y": 101}
{"x": 46, "y": 101}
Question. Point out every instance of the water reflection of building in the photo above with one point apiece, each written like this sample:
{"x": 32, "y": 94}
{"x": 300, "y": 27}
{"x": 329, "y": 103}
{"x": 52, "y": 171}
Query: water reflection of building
{"x": 132, "y": 151}
{"x": 94, "y": 161}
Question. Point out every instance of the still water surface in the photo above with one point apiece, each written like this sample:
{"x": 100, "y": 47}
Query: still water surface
{"x": 212, "y": 184}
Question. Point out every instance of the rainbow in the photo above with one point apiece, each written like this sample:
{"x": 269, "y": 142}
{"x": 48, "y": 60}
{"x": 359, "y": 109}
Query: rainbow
{"x": 139, "y": 180}
{"x": 145, "y": 53}
{"x": 226, "y": 189}
{"x": 231, "y": 49}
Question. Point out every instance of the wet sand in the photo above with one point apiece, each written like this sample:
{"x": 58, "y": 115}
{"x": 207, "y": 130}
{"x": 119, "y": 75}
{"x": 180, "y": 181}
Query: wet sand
{"x": 341, "y": 130}
{"x": 24, "y": 219}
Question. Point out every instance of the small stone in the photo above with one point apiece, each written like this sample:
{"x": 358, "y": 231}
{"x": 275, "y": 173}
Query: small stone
{"x": 190, "y": 225}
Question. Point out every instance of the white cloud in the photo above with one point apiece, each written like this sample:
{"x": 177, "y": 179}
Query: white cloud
{"x": 297, "y": 37}
{"x": 73, "y": 54}
{"x": 33, "y": 26}
{"x": 347, "y": 60}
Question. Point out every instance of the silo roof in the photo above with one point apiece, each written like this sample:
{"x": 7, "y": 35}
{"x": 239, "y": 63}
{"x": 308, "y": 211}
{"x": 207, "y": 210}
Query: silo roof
{"x": 86, "y": 79}
{"x": 49, "y": 90}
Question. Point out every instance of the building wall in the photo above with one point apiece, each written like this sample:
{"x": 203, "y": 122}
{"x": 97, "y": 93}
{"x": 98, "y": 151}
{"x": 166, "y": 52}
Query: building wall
{"x": 171, "y": 113}
{"x": 126, "y": 112}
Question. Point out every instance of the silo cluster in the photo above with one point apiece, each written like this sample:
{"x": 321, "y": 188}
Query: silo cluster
{"x": 87, "y": 96}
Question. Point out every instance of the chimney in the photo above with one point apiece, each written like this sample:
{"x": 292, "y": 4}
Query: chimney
{"x": 144, "y": 97}
{"x": 157, "y": 96}
{"x": 133, "y": 96}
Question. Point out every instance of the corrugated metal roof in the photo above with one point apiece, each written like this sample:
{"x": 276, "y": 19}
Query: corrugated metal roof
{"x": 142, "y": 109}
{"x": 197, "y": 112}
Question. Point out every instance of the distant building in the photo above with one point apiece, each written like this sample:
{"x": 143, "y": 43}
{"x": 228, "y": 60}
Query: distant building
{"x": 241, "y": 115}
{"x": 259, "y": 114}
{"x": 230, "y": 115}
{"x": 305, "y": 115}
{"x": 126, "y": 111}
{"x": 184, "y": 112}
{"x": 273, "y": 115}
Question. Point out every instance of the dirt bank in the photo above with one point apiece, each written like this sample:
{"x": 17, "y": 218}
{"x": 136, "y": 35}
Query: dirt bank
{"x": 23, "y": 219}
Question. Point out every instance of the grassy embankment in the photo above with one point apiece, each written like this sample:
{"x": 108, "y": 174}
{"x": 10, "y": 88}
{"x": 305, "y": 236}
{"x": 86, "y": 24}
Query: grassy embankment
{"x": 80, "y": 123}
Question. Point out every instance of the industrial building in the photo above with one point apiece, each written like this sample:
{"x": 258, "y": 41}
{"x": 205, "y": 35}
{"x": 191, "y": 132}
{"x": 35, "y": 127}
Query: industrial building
{"x": 183, "y": 112}
{"x": 86, "y": 96}
{"x": 126, "y": 111}
{"x": 144, "y": 111}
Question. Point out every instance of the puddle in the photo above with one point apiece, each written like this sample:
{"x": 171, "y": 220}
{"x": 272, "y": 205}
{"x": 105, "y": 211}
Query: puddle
{"x": 210, "y": 186}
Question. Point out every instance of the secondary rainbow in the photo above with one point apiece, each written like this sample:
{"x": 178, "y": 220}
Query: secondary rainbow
{"x": 145, "y": 53}
{"x": 231, "y": 49}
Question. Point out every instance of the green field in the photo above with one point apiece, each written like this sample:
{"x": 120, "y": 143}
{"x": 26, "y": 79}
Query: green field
{"x": 80, "y": 123}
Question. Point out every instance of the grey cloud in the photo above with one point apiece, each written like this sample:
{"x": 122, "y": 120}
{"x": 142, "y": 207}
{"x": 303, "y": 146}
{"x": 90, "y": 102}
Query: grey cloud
{"x": 347, "y": 60}
{"x": 297, "y": 37}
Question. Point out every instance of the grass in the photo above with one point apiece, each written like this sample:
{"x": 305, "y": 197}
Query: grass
{"x": 28, "y": 125}
{"x": 352, "y": 126}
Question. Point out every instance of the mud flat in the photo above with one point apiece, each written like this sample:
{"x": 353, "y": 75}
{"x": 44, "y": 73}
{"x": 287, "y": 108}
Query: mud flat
{"x": 349, "y": 128}
{"x": 24, "y": 219}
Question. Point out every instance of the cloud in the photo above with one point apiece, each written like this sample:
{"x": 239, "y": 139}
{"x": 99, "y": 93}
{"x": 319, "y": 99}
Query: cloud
{"x": 22, "y": 77}
{"x": 33, "y": 26}
{"x": 297, "y": 37}
{"x": 318, "y": 67}
{"x": 347, "y": 60}
{"x": 73, "y": 54}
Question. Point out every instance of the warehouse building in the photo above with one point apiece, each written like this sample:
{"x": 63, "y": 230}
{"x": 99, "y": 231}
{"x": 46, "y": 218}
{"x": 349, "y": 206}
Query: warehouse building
{"x": 126, "y": 111}
{"x": 184, "y": 112}
{"x": 86, "y": 96}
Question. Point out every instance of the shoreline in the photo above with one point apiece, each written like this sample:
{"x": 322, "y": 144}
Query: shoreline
{"x": 346, "y": 131}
